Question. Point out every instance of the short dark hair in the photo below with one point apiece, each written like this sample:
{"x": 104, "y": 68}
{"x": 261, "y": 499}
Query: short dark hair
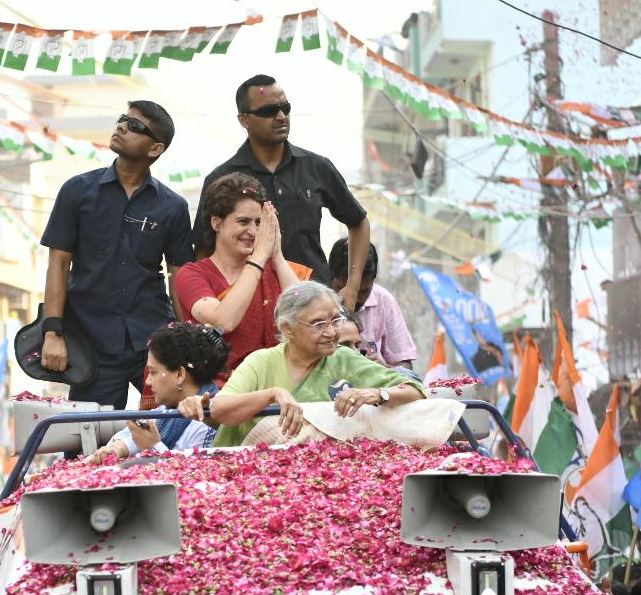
{"x": 350, "y": 316}
{"x": 222, "y": 195}
{"x": 242, "y": 94}
{"x": 338, "y": 261}
{"x": 201, "y": 350}
{"x": 161, "y": 122}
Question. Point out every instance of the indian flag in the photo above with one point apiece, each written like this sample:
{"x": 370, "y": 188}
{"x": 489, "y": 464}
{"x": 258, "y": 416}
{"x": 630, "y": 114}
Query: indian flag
{"x": 356, "y": 54}
{"x": 572, "y": 390}
{"x": 599, "y": 514}
{"x": 122, "y": 52}
{"x": 83, "y": 60}
{"x": 336, "y": 41}
{"x": 5, "y": 33}
{"x": 194, "y": 41}
{"x": 437, "y": 368}
{"x": 373, "y": 71}
{"x": 311, "y": 35}
{"x": 222, "y": 43}
{"x": 286, "y": 34}
{"x": 150, "y": 55}
{"x": 18, "y": 50}
{"x": 539, "y": 417}
{"x": 51, "y": 44}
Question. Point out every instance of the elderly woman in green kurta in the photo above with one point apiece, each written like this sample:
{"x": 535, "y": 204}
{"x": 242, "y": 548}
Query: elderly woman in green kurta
{"x": 306, "y": 362}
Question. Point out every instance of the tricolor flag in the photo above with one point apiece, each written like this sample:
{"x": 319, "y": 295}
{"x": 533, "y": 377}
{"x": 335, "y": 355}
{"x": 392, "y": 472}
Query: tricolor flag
{"x": 83, "y": 60}
{"x": 207, "y": 35}
{"x": 437, "y": 368}
{"x": 51, "y": 44}
{"x": 599, "y": 514}
{"x": 286, "y": 34}
{"x": 336, "y": 41}
{"x": 311, "y": 35}
{"x": 41, "y": 143}
{"x": 171, "y": 44}
{"x": 11, "y": 138}
{"x": 394, "y": 83}
{"x": 82, "y": 148}
{"x": 18, "y": 50}
{"x": 539, "y": 417}
{"x": 222, "y": 43}
{"x": 5, "y": 33}
{"x": 373, "y": 71}
{"x": 356, "y": 54}
{"x": 150, "y": 54}
{"x": 125, "y": 47}
{"x": 571, "y": 388}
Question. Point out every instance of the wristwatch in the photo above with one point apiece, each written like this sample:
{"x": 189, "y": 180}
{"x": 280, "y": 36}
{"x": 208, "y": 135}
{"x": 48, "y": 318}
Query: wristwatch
{"x": 383, "y": 395}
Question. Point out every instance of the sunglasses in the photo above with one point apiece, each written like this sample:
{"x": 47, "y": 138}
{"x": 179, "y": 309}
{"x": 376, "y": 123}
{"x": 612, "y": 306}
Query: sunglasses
{"x": 271, "y": 110}
{"x": 137, "y": 126}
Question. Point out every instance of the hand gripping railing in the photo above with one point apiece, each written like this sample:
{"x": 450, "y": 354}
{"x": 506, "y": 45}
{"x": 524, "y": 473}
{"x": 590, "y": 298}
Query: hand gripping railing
{"x": 33, "y": 442}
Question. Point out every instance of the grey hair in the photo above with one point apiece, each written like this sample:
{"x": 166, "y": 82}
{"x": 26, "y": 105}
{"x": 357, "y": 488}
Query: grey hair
{"x": 296, "y": 298}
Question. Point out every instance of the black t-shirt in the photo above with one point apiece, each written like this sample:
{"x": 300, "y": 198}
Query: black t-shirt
{"x": 301, "y": 186}
{"x": 116, "y": 285}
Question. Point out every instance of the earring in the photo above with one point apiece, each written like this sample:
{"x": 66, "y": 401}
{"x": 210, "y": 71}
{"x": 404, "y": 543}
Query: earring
{"x": 179, "y": 386}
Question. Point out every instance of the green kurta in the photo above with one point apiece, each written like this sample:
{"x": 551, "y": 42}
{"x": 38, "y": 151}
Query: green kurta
{"x": 267, "y": 368}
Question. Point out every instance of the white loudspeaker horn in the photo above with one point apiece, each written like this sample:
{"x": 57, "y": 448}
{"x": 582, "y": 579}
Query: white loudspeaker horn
{"x": 121, "y": 525}
{"x": 86, "y": 436}
{"x": 511, "y": 511}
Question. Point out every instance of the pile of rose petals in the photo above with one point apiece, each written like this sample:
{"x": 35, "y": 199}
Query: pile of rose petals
{"x": 322, "y": 516}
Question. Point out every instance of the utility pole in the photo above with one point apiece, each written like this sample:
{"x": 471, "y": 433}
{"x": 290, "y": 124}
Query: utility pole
{"x": 554, "y": 229}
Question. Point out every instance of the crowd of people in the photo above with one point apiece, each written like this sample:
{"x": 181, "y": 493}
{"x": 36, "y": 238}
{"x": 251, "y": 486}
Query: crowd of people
{"x": 254, "y": 314}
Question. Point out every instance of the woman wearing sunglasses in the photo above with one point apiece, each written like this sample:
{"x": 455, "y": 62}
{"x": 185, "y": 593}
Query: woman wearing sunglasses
{"x": 236, "y": 288}
{"x": 304, "y": 365}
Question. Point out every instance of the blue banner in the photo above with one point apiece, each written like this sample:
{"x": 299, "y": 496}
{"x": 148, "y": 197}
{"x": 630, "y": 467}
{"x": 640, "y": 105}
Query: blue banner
{"x": 470, "y": 324}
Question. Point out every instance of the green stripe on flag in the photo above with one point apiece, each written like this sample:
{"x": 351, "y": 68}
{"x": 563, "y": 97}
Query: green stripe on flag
{"x": 619, "y": 530}
{"x": 86, "y": 66}
{"x": 47, "y": 63}
{"x": 557, "y": 443}
{"x": 16, "y": 61}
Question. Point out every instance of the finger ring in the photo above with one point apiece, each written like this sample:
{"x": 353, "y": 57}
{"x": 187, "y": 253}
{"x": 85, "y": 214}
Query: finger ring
{"x": 351, "y": 401}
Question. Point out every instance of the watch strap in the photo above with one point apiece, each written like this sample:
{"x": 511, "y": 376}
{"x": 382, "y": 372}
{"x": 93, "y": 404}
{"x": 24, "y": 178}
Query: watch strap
{"x": 53, "y": 323}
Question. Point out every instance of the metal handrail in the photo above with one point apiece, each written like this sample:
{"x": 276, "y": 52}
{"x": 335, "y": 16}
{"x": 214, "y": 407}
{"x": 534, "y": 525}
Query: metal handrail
{"x": 33, "y": 442}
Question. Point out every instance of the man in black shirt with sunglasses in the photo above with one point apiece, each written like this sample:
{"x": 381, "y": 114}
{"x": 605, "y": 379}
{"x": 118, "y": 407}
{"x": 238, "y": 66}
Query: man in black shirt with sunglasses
{"x": 298, "y": 182}
{"x": 115, "y": 224}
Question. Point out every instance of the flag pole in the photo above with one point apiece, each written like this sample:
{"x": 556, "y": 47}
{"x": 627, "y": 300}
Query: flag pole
{"x": 628, "y": 568}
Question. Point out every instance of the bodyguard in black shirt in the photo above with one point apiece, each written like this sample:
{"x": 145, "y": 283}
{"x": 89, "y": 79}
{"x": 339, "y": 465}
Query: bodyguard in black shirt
{"x": 114, "y": 225}
{"x": 298, "y": 182}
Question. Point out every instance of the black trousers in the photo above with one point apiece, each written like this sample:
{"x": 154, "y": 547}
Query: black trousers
{"x": 115, "y": 372}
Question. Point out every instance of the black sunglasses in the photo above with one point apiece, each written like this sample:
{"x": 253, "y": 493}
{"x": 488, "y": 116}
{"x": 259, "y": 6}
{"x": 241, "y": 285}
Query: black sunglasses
{"x": 271, "y": 110}
{"x": 137, "y": 126}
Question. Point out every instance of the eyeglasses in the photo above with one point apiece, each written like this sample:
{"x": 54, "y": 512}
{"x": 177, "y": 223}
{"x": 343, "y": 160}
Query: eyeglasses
{"x": 137, "y": 126}
{"x": 322, "y": 325}
{"x": 271, "y": 110}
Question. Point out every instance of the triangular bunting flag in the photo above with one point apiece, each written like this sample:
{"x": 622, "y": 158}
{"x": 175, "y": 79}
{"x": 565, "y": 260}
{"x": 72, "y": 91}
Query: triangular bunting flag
{"x": 82, "y": 148}
{"x": 41, "y": 143}
{"x": 222, "y": 43}
{"x": 207, "y": 35}
{"x": 83, "y": 60}
{"x": 171, "y": 47}
{"x": 287, "y": 32}
{"x": 311, "y": 36}
{"x": 19, "y": 48}
{"x": 373, "y": 71}
{"x": 50, "y": 52}
{"x": 11, "y": 138}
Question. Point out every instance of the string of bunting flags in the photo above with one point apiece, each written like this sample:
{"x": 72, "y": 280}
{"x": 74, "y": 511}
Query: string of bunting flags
{"x": 145, "y": 49}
